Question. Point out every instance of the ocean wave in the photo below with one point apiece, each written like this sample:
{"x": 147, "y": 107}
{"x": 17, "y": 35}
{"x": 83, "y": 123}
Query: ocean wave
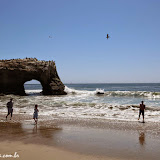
{"x": 74, "y": 91}
{"x": 113, "y": 93}
{"x": 98, "y": 105}
{"x": 101, "y": 92}
{"x": 34, "y": 92}
{"x": 68, "y": 107}
{"x": 133, "y": 94}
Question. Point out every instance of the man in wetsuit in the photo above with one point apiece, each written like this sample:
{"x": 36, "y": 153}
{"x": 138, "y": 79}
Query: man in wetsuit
{"x": 141, "y": 110}
{"x": 10, "y": 108}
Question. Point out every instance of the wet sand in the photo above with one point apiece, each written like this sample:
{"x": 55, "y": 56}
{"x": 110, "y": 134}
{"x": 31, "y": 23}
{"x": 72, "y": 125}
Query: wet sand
{"x": 79, "y": 139}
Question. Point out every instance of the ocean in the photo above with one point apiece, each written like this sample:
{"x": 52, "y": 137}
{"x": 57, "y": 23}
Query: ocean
{"x": 116, "y": 101}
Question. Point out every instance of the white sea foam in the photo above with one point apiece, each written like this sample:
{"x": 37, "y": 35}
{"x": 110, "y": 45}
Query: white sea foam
{"x": 119, "y": 105}
{"x": 80, "y": 92}
{"x": 147, "y": 94}
{"x": 33, "y": 91}
{"x": 99, "y": 91}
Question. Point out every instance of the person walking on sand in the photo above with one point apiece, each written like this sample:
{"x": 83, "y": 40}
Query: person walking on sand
{"x": 10, "y": 108}
{"x": 35, "y": 115}
{"x": 141, "y": 110}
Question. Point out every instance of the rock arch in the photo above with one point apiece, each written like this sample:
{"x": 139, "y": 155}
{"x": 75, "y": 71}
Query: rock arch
{"x": 15, "y": 72}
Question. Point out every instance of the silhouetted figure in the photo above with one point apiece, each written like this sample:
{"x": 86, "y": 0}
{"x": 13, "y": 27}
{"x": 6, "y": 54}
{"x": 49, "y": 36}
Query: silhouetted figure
{"x": 141, "y": 110}
{"x": 10, "y": 108}
{"x": 108, "y": 36}
{"x": 142, "y": 138}
{"x": 35, "y": 114}
{"x": 50, "y": 36}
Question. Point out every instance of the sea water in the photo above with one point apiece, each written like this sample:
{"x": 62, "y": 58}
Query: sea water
{"x": 115, "y": 101}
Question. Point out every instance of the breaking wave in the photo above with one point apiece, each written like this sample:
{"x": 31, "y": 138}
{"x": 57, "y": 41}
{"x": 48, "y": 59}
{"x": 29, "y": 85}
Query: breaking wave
{"x": 100, "y": 104}
{"x": 113, "y": 93}
{"x": 34, "y": 92}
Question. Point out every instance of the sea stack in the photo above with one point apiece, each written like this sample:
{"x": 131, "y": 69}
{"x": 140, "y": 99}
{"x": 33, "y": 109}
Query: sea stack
{"x": 15, "y": 72}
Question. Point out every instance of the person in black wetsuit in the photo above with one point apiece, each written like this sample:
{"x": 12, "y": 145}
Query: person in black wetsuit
{"x": 141, "y": 110}
{"x": 10, "y": 108}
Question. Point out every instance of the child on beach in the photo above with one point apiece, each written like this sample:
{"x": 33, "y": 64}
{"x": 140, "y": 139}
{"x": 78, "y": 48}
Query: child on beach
{"x": 35, "y": 115}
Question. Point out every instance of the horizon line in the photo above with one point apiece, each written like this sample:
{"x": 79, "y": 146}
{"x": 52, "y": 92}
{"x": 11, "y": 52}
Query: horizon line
{"x": 109, "y": 83}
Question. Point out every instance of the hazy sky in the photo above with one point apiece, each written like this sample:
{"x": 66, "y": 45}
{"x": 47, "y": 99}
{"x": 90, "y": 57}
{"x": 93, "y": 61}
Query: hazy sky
{"x": 78, "y": 44}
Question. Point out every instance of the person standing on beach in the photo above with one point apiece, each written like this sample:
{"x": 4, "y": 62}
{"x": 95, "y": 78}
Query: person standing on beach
{"x": 35, "y": 115}
{"x": 10, "y": 108}
{"x": 141, "y": 110}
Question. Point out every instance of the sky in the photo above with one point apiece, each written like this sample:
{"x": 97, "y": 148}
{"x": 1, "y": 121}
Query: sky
{"x": 78, "y": 45}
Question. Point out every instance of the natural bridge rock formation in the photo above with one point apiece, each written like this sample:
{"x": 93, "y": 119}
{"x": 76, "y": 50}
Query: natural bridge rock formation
{"x": 15, "y": 72}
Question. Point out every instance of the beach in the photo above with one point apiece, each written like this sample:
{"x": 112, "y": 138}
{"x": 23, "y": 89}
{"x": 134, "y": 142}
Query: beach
{"x": 79, "y": 139}
{"x": 81, "y": 79}
{"x": 82, "y": 124}
{"x": 32, "y": 151}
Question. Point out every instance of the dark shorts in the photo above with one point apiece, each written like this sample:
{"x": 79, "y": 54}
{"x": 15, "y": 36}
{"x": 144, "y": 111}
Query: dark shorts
{"x": 35, "y": 116}
{"x": 141, "y": 111}
{"x": 10, "y": 110}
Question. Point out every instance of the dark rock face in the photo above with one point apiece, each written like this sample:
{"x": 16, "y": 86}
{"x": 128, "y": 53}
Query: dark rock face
{"x": 14, "y": 73}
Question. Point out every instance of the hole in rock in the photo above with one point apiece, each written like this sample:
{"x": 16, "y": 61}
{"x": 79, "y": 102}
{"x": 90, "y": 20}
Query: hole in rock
{"x": 33, "y": 87}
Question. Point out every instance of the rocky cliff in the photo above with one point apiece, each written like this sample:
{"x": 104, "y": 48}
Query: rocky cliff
{"x": 15, "y": 72}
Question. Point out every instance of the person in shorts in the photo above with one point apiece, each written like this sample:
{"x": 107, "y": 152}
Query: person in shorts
{"x": 10, "y": 108}
{"x": 141, "y": 110}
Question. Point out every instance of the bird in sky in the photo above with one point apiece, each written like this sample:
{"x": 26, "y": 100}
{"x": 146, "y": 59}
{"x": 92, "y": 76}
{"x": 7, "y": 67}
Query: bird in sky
{"x": 108, "y": 36}
{"x": 50, "y": 36}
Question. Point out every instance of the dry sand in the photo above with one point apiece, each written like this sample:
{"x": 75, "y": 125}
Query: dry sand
{"x": 41, "y": 152}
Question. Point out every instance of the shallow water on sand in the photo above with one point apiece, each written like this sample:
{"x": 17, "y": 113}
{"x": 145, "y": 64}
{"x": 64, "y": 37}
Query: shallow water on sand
{"x": 107, "y": 138}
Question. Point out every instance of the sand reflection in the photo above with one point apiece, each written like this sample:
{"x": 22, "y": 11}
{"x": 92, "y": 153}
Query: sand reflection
{"x": 28, "y": 133}
{"x": 141, "y": 138}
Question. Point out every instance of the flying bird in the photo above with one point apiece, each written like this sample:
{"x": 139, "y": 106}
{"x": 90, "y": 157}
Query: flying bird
{"x": 50, "y": 36}
{"x": 108, "y": 36}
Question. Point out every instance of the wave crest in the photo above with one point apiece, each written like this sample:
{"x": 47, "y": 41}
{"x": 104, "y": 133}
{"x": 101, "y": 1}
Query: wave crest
{"x": 113, "y": 93}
